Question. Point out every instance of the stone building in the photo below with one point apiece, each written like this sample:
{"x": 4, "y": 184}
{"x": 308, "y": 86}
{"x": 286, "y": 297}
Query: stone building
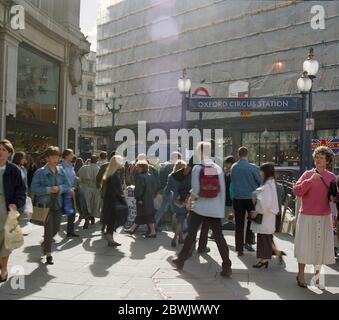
{"x": 144, "y": 45}
{"x": 87, "y": 141}
{"x": 40, "y": 72}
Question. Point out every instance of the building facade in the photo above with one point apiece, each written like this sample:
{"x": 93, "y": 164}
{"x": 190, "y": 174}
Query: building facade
{"x": 40, "y": 72}
{"x": 87, "y": 141}
{"x": 144, "y": 45}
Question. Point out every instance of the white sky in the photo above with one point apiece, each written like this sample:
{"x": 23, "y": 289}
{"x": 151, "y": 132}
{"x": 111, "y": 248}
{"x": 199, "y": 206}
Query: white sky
{"x": 88, "y": 20}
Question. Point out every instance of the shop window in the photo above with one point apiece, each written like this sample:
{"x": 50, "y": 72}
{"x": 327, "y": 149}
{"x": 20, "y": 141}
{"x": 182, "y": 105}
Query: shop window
{"x": 281, "y": 148}
{"x": 34, "y": 126}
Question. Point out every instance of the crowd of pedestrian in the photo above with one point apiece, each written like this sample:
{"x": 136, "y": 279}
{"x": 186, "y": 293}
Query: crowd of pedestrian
{"x": 201, "y": 196}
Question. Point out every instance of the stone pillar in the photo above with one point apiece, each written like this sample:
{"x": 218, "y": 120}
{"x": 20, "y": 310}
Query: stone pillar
{"x": 8, "y": 78}
{"x": 62, "y": 105}
{"x": 236, "y": 141}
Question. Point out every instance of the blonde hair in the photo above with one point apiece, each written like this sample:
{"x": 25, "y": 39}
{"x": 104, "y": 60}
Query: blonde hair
{"x": 180, "y": 164}
{"x": 112, "y": 167}
{"x": 204, "y": 148}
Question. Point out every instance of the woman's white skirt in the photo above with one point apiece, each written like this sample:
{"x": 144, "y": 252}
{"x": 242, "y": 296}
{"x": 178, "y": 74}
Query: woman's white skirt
{"x": 314, "y": 240}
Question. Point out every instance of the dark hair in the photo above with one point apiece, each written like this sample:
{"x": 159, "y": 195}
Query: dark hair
{"x": 17, "y": 158}
{"x": 52, "y": 151}
{"x": 143, "y": 166}
{"x": 229, "y": 159}
{"x": 78, "y": 164}
{"x": 66, "y": 153}
{"x": 242, "y": 152}
{"x": 8, "y": 146}
{"x": 103, "y": 155}
{"x": 268, "y": 170}
{"x": 94, "y": 159}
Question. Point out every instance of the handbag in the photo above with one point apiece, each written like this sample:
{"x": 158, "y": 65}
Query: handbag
{"x": 332, "y": 188}
{"x": 68, "y": 206}
{"x": 40, "y": 214}
{"x": 257, "y": 219}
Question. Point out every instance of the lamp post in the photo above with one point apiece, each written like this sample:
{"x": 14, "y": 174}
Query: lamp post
{"x": 113, "y": 97}
{"x": 304, "y": 85}
{"x": 311, "y": 66}
{"x": 265, "y": 136}
{"x": 184, "y": 86}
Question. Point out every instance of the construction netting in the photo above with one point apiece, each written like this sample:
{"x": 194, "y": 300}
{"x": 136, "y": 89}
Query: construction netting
{"x": 143, "y": 45}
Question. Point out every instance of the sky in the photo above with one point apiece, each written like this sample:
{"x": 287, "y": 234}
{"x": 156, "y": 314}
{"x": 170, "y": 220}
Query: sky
{"x": 88, "y": 20}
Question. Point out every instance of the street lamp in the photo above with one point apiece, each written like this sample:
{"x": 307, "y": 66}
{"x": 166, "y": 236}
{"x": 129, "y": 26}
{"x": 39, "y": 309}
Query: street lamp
{"x": 184, "y": 86}
{"x": 304, "y": 85}
{"x": 310, "y": 66}
{"x": 113, "y": 97}
{"x": 265, "y": 136}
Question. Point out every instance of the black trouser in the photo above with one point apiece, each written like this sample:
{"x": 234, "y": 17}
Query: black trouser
{"x": 241, "y": 206}
{"x": 70, "y": 220}
{"x": 70, "y": 224}
{"x": 215, "y": 224}
{"x": 52, "y": 227}
{"x": 203, "y": 239}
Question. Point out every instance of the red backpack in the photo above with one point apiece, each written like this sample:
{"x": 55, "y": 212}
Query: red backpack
{"x": 209, "y": 182}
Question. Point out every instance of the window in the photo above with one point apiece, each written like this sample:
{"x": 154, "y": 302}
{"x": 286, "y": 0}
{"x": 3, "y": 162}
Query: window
{"x": 90, "y": 86}
{"x": 281, "y": 148}
{"x": 91, "y": 66}
{"x": 34, "y": 124}
{"x": 80, "y": 103}
{"x": 89, "y": 105}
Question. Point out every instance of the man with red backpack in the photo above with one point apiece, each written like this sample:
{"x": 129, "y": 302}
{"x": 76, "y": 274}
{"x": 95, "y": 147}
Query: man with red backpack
{"x": 207, "y": 204}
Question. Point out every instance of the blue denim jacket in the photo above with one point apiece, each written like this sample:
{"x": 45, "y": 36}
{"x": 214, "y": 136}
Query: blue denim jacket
{"x": 69, "y": 171}
{"x": 43, "y": 181}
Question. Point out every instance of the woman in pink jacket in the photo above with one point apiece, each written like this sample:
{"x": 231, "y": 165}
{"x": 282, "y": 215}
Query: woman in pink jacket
{"x": 314, "y": 240}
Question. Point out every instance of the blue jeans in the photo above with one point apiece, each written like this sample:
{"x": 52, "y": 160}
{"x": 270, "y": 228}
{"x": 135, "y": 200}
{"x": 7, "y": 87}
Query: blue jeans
{"x": 165, "y": 204}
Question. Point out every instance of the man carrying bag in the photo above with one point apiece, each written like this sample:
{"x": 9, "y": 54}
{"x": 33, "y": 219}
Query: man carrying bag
{"x": 49, "y": 183}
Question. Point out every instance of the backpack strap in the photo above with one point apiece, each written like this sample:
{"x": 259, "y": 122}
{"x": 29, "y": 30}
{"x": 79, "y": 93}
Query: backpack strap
{"x": 322, "y": 179}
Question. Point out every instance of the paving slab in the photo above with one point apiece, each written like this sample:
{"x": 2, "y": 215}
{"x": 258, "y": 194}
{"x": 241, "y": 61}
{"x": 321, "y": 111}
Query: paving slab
{"x": 87, "y": 269}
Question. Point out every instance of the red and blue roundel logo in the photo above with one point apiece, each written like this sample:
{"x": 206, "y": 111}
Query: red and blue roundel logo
{"x": 201, "y": 91}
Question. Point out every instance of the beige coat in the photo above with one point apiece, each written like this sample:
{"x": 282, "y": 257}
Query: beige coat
{"x": 87, "y": 175}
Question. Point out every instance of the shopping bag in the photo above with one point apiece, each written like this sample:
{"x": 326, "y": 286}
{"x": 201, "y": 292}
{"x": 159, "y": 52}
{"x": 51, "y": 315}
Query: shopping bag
{"x": 39, "y": 216}
{"x": 14, "y": 237}
{"x": 157, "y": 201}
{"x": 40, "y": 213}
{"x": 27, "y": 210}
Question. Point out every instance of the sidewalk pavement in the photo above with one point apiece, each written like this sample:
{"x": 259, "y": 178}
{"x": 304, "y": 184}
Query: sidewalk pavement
{"x": 87, "y": 269}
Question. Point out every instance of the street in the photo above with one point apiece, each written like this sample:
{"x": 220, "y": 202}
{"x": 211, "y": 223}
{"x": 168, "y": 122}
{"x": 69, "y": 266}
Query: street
{"x": 87, "y": 269}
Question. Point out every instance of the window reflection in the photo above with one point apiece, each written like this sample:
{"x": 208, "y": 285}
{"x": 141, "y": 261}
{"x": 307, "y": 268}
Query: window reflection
{"x": 34, "y": 126}
{"x": 281, "y": 148}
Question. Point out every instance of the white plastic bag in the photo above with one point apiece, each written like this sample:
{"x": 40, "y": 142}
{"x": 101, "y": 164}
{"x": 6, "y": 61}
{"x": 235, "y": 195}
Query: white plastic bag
{"x": 157, "y": 201}
{"x": 14, "y": 237}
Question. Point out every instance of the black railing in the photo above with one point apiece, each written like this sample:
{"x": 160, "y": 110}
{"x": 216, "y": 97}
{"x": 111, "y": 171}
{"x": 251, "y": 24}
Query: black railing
{"x": 288, "y": 182}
